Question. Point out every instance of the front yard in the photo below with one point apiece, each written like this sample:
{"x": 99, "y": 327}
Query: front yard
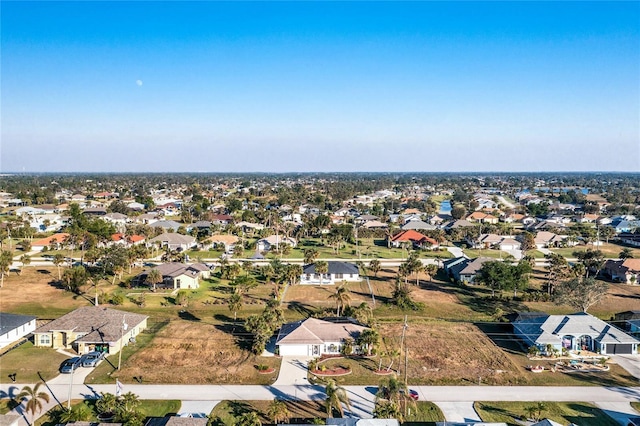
{"x": 515, "y": 413}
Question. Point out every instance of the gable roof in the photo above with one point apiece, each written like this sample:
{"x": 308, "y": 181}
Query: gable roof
{"x": 316, "y": 331}
{"x": 173, "y": 238}
{"x": 55, "y": 238}
{"x": 333, "y": 268}
{"x": 413, "y": 236}
{"x": 99, "y": 323}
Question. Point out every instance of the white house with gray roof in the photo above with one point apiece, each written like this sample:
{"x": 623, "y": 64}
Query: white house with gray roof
{"x": 336, "y": 273}
{"x": 574, "y": 332}
{"x": 14, "y": 327}
{"x": 315, "y": 337}
{"x": 174, "y": 241}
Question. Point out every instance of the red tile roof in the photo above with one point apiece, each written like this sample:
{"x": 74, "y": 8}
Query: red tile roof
{"x": 413, "y": 236}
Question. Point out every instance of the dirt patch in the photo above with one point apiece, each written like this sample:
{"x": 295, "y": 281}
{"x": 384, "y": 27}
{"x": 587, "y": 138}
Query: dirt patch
{"x": 196, "y": 353}
{"x": 452, "y": 353}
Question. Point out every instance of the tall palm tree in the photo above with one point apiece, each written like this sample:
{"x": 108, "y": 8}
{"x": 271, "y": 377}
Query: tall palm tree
{"x": 321, "y": 268}
{"x": 336, "y": 396}
{"x": 310, "y": 256}
{"x": 34, "y": 399}
{"x": 431, "y": 270}
{"x": 342, "y": 297}
{"x": 58, "y": 259}
{"x": 235, "y": 304}
{"x": 375, "y": 267}
{"x": 368, "y": 339}
{"x": 153, "y": 278}
{"x": 278, "y": 411}
{"x": 6, "y": 259}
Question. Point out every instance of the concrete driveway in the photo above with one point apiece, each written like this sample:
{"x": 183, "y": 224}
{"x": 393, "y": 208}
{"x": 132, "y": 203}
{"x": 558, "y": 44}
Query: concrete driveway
{"x": 459, "y": 412}
{"x": 293, "y": 371}
{"x": 631, "y": 363}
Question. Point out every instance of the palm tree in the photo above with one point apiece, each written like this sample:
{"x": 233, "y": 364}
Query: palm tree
{"x": 278, "y": 411}
{"x": 249, "y": 418}
{"x": 336, "y": 396}
{"x": 321, "y": 268}
{"x": 34, "y": 399}
{"x": 342, "y": 297}
{"x": 235, "y": 304}
{"x": 368, "y": 339}
{"x": 431, "y": 270}
{"x": 310, "y": 256}
{"x": 58, "y": 259}
{"x": 153, "y": 278}
{"x": 6, "y": 259}
{"x": 626, "y": 253}
{"x": 375, "y": 267}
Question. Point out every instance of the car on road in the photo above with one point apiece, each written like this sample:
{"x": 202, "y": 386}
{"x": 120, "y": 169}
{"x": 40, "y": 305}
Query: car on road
{"x": 413, "y": 394}
{"x": 384, "y": 393}
{"x": 70, "y": 365}
{"x": 92, "y": 359}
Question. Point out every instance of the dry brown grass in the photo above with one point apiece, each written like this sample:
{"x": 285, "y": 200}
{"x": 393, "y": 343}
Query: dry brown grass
{"x": 34, "y": 292}
{"x": 452, "y": 353}
{"x": 196, "y": 353}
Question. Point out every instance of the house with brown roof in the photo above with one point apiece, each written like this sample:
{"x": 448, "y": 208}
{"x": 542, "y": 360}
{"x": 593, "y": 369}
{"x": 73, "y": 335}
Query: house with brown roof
{"x": 625, "y": 270}
{"x": 315, "y": 337}
{"x": 91, "y": 328}
{"x": 415, "y": 238}
{"x": 482, "y": 217}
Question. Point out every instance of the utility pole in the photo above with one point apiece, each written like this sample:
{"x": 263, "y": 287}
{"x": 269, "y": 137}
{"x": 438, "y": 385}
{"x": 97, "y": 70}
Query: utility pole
{"x": 122, "y": 330}
{"x": 403, "y": 347}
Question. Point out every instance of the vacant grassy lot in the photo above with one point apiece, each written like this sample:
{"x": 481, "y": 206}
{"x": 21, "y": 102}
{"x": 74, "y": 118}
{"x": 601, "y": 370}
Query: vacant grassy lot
{"x": 27, "y": 361}
{"x": 513, "y": 413}
{"x": 193, "y": 351}
{"x": 610, "y": 250}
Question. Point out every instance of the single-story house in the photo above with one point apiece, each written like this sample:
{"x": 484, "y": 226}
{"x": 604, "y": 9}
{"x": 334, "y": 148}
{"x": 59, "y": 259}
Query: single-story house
{"x": 545, "y": 239}
{"x": 266, "y": 244}
{"x": 482, "y": 217}
{"x": 374, "y": 224}
{"x": 626, "y": 271}
{"x": 249, "y": 227}
{"x": 629, "y": 239}
{"x": 464, "y": 269}
{"x": 174, "y": 241}
{"x": 14, "y": 327}
{"x": 126, "y": 240}
{"x": 418, "y": 224}
{"x": 414, "y": 237}
{"x": 54, "y": 241}
{"x": 193, "y": 419}
{"x": 575, "y": 332}
{"x": 500, "y": 242}
{"x": 177, "y": 275}
{"x": 315, "y": 337}
{"x": 91, "y": 328}
{"x": 166, "y": 225}
{"x": 337, "y": 272}
{"x": 227, "y": 240}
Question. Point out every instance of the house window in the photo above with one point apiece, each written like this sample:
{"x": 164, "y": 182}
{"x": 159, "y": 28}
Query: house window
{"x": 45, "y": 339}
{"x": 308, "y": 277}
{"x": 178, "y": 281}
{"x": 339, "y": 276}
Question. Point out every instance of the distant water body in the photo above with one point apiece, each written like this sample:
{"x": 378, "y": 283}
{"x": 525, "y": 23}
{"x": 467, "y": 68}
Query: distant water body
{"x": 445, "y": 207}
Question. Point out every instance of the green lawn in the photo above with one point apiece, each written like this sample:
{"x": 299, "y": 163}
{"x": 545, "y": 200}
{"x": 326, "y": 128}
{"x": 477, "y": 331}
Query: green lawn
{"x": 27, "y": 361}
{"x": 610, "y": 250}
{"x": 513, "y": 413}
{"x": 636, "y": 406}
{"x": 424, "y": 412}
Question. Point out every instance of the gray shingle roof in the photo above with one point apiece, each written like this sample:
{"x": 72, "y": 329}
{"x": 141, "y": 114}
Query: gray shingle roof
{"x": 334, "y": 268}
{"x": 10, "y": 322}
{"x": 317, "y": 331}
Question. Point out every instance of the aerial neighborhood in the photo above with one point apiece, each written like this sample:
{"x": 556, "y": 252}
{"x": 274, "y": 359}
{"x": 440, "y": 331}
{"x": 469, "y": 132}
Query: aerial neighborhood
{"x": 326, "y": 283}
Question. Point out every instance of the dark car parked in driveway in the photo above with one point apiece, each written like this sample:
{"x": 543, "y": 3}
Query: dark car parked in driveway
{"x": 70, "y": 365}
{"x": 92, "y": 359}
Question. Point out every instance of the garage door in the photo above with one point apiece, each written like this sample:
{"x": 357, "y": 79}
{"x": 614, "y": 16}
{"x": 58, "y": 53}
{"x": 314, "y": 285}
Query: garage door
{"x": 619, "y": 348}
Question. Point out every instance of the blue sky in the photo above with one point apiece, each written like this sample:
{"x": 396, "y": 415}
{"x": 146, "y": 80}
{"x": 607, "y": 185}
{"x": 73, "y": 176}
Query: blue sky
{"x": 304, "y": 86}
